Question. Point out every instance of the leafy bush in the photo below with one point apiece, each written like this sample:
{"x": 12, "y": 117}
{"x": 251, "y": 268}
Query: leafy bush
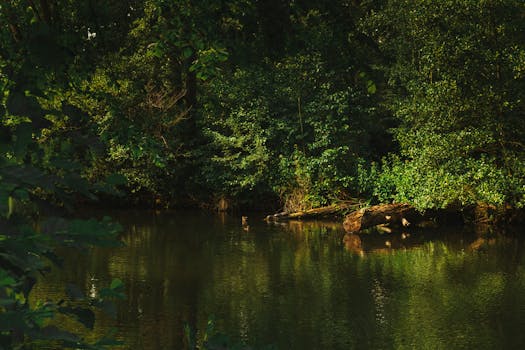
{"x": 458, "y": 95}
{"x": 456, "y": 183}
{"x": 291, "y": 129}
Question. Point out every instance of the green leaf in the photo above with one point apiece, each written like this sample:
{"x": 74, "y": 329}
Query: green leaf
{"x": 5, "y": 279}
{"x": 187, "y": 52}
{"x": 202, "y": 76}
{"x": 116, "y": 284}
{"x": 115, "y": 290}
{"x": 154, "y": 50}
{"x": 10, "y": 206}
{"x": 371, "y": 87}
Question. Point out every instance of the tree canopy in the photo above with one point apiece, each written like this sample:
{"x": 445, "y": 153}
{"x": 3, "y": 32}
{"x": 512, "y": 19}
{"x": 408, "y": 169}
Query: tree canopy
{"x": 273, "y": 103}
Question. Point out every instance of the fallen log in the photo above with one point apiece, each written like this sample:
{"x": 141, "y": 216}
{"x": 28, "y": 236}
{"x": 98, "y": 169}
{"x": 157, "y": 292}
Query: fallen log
{"x": 316, "y": 213}
{"x": 398, "y": 214}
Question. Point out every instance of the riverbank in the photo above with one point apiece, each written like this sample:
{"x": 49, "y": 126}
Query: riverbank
{"x": 357, "y": 216}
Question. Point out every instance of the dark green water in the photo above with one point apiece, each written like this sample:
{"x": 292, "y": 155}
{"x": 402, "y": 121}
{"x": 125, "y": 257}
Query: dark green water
{"x": 305, "y": 285}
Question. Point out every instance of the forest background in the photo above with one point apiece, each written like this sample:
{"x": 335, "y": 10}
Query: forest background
{"x": 270, "y": 103}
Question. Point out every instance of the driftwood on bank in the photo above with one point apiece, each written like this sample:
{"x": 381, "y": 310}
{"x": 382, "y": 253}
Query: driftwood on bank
{"x": 384, "y": 215}
{"x": 316, "y": 213}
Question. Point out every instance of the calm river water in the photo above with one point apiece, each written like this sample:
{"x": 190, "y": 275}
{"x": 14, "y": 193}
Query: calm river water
{"x": 304, "y": 285}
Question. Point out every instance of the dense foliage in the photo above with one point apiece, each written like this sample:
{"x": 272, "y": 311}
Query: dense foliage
{"x": 457, "y": 74}
{"x": 293, "y": 104}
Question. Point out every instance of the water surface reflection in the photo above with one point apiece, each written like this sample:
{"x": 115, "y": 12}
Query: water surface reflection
{"x": 306, "y": 285}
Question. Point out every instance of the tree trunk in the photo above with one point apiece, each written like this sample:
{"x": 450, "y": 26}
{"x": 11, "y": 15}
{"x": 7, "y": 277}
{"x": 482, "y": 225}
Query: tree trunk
{"x": 384, "y": 214}
{"x": 316, "y": 213}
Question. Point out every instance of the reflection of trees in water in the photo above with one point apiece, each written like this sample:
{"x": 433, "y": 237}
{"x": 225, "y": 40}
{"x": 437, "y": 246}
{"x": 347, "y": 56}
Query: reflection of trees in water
{"x": 294, "y": 286}
{"x": 372, "y": 241}
{"x": 286, "y": 286}
{"x": 301, "y": 229}
{"x": 353, "y": 243}
{"x": 165, "y": 269}
{"x": 446, "y": 298}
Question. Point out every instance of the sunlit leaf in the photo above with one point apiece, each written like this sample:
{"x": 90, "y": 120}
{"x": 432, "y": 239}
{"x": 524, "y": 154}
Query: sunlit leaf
{"x": 371, "y": 87}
